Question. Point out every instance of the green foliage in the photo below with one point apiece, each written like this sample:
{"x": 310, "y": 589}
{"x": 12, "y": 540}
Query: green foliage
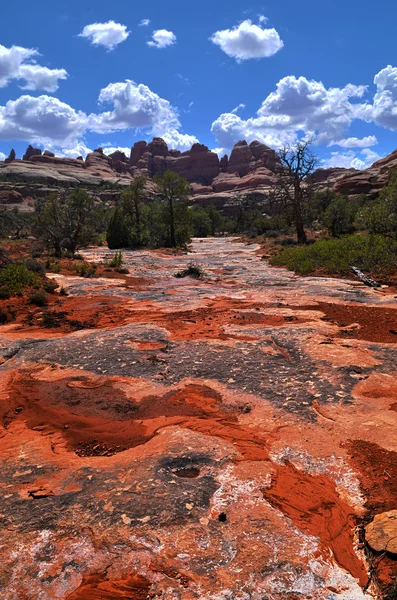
{"x": 117, "y": 259}
{"x": 118, "y": 235}
{"x": 174, "y": 192}
{"x": 375, "y": 254}
{"x": 135, "y": 212}
{"x": 339, "y": 216}
{"x": 15, "y": 278}
{"x": 35, "y": 266}
{"x": 38, "y": 297}
{"x": 66, "y": 223}
{"x": 380, "y": 216}
{"x": 52, "y": 266}
{"x": 14, "y": 223}
{"x": 85, "y": 269}
{"x": 194, "y": 271}
{"x": 201, "y": 225}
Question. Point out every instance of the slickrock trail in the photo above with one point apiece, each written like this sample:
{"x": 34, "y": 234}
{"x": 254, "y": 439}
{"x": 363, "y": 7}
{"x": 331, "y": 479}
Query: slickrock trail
{"x": 217, "y": 439}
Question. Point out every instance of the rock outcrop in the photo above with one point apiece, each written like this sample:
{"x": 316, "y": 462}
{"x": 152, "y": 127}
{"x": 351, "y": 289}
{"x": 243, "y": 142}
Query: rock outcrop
{"x": 11, "y": 156}
{"x": 30, "y": 151}
{"x": 351, "y": 182}
{"x": 250, "y": 168}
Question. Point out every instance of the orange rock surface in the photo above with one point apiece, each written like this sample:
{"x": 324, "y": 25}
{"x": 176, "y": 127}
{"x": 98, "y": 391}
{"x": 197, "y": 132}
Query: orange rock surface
{"x": 218, "y": 439}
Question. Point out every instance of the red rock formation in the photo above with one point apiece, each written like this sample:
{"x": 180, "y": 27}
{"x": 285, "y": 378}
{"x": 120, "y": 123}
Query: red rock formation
{"x": 11, "y": 156}
{"x": 245, "y": 158}
{"x": 30, "y": 151}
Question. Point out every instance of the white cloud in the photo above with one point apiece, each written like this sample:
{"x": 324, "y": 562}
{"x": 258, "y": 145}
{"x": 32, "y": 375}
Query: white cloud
{"x": 229, "y": 128}
{"x": 108, "y": 34}
{"x": 76, "y": 149}
{"x": 162, "y": 38}
{"x": 354, "y": 142}
{"x": 383, "y": 110}
{"x": 350, "y": 160}
{"x": 248, "y": 40}
{"x": 144, "y": 23}
{"x": 262, "y": 19}
{"x": 239, "y": 107}
{"x": 177, "y": 140}
{"x": 297, "y": 107}
{"x": 41, "y": 78}
{"x": 19, "y": 63}
{"x": 44, "y": 120}
{"x": 2, "y": 156}
{"x": 110, "y": 149}
{"x": 135, "y": 106}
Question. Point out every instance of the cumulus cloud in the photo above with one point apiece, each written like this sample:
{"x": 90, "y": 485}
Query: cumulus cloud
{"x": 354, "y": 142}
{"x": 43, "y": 119}
{"x": 144, "y": 23}
{"x": 350, "y": 160}
{"x": 2, "y": 156}
{"x": 75, "y": 149}
{"x": 383, "y": 110}
{"x": 248, "y": 40}
{"x": 108, "y": 34}
{"x": 110, "y": 149}
{"x": 297, "y": 106}
{"x": 135, "y": 106}
{"x": 177, "y": 140}
{"x": 41, "y": 78}
{"x": 19, "y": 63}
{"x": 162, "y": 38}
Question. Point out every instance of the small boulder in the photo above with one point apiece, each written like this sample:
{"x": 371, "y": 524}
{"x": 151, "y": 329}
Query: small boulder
{"x": 381, "y": 534}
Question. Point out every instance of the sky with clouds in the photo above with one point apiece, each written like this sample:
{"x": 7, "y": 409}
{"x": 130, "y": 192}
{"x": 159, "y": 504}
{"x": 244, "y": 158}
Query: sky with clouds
{"x": 75, "y": 76}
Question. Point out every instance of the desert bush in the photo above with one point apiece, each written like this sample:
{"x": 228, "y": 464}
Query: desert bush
{"x": 85, "y": 269}
{"x": 38, "y": 297}
{"x": 117, "y": 260}
{"x": 53, "y": 266}
{"x": 376, "y": 254}
{"x": 192, "y": 270}
{"x": 35, "y": 266}
{"x": 15, "y": 278}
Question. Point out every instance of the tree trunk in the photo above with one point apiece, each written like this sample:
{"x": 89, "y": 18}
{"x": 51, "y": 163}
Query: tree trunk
{"x": 300, "y": 230}
{"x": 172, "y": 224}
{"x": 138, "y": 221}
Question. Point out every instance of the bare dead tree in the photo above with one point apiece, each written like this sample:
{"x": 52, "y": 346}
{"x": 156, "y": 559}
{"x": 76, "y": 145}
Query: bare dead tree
{"x": 291, "y": 188}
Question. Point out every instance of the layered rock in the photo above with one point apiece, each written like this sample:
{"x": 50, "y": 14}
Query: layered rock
{"x": 351, "y": 182}
{"x": 246, "y": 158}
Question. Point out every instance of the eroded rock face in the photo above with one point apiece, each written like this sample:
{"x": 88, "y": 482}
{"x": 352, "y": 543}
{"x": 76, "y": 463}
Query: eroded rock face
{"x": 246, "y": 158}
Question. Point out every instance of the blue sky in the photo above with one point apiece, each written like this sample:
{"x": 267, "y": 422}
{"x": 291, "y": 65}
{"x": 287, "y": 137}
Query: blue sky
{"x": 73, "y": 77}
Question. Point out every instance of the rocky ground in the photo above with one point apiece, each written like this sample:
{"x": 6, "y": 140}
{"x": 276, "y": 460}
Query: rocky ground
{"x": 219, "y": 439}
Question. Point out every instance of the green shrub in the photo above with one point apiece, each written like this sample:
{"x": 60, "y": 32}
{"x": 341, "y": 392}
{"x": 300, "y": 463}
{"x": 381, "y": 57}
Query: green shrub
{"x": 35, "y": 266}
{"x": 38, "y": 297}
{"x": 50, "y": 286}
{"x": 117, "y": 260}
{"x": 85, "y": 269}
{"x": 15, "y": 278}
{"x": 375, "y": 254}
{"x": 192, "y": 270}
{"x": 53, "y": 266}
